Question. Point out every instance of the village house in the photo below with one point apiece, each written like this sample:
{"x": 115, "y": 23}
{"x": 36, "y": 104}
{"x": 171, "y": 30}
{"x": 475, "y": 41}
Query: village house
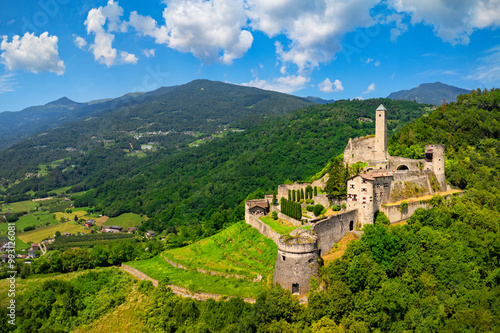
{"x": 113, "y": 229}
{"x": 132, "y": 230}
{"x": 150, "y": 234}
{"x": 89, "y": 223}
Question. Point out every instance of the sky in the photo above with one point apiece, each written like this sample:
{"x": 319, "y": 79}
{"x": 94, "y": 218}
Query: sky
{"x": 332, "y": 49}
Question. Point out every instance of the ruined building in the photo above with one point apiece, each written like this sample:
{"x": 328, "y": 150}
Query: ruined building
{"x": 385, "y": 181}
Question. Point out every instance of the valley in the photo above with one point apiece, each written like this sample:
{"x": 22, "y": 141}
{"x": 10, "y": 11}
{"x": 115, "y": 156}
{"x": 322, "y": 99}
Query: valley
{"x": 186, "y": 196}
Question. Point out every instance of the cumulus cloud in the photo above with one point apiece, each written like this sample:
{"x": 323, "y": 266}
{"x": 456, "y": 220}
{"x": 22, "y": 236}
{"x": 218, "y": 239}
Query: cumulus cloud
{"x": 80, "y": 42}
{"x": 327, "y": 86}
{"x": 102, "y": 48}
{"x": 314, "y": 28}
{"x": 210, "y": 30}
{"x": 128, "y": 58}
{"x": 370, "y": 88}
{"x": 285, "y": 84}
{"x": 452, "y": 22}
{"x": 149, "y": 52}
{"x": 32, "y": 53}
{"x": 7, "y": 83}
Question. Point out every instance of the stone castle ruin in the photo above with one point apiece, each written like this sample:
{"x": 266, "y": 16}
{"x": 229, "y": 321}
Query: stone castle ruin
{"x": 379, "y": 187}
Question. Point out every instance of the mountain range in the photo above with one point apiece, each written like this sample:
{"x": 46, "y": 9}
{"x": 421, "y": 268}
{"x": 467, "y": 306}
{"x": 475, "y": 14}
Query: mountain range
{"x": 430, "y": 93}
{"x": 199, "y": 100}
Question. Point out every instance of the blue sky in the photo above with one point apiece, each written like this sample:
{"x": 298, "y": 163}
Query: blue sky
{"x": 327, "y": 48}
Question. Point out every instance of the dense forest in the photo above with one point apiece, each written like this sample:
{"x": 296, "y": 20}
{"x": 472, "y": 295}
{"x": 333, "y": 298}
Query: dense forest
{"x": 439, "y": 272}
{"x": 188, "y": 186}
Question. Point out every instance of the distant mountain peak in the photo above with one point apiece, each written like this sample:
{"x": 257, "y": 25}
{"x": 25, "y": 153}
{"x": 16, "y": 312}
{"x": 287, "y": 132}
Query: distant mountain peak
{"x": 430, "y": 93}
{"x": 62, "y": 101}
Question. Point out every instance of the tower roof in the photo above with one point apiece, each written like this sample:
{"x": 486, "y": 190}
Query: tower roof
{"x": 381, "y": 108}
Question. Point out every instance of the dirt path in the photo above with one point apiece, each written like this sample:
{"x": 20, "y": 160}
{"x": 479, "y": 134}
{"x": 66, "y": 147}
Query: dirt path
{"x": 176, "y": 289}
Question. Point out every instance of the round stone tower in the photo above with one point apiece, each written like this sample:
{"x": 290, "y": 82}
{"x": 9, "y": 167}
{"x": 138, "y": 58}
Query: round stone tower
{"x": 297, "y": 261}
{"x": 434, "y": 161}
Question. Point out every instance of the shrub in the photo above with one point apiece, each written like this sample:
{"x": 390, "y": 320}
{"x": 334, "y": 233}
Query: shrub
{"x": 274, "y": 215}
{"x": 318, "y": 209}
{"x": 343, "y": 206}
{"x": 381, "y": 218}
{"x": 335, "y": 208}
{"x": 310, "y": 208}
{"x": 30, "y": 227}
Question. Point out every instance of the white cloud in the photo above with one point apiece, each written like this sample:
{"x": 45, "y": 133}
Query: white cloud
{"x": 377, "y": 63}
{"x": 369, "y": 60}
{"x": 80, "y": 42}
{"x": 146, "y": 26}
{"x": 7, "y": 83}
{"x": 453, "y": 21}
{"x": 327, "y": 86}
{"x": 149, "y": 52}
{"x": 32, "y": 53}
{"x": 208, "y": 28}
{"x": 314, "y": 28}
{"x": 284, "y": 84}
{"x": 370, "y": 88}
{"x": 211, "y": 30}
{"x": 128, "y": 58}
{"x": 102, "y": 48}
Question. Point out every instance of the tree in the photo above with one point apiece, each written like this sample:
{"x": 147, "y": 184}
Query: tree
{"x": 336, "y": 186}
{"x": 274, "y": 198}
{"x": 318, "y": 209}
{"x": 315, "y": 190}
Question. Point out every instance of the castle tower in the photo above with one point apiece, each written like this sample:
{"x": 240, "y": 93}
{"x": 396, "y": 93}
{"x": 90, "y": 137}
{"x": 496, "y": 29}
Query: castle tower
{"x": 380, "y": 152}
{"x": 434, "y": 161}
{"x": 297, "y": 261}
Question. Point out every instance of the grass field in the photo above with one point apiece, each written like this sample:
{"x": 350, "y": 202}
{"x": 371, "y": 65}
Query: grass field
{"x": 337, "y": 252}
{"x": 280, "y": 226}
{"x": 125, "y": 220}
{"x": 71, "y": 216}
{"x": 44, "y": 167}
{"x": 36, "y": 219}
{"x": 239, "y": 249}
{"x": 21, "y": 206}
{"x": 40, "y": 234}
{"x": 158, "y": 268}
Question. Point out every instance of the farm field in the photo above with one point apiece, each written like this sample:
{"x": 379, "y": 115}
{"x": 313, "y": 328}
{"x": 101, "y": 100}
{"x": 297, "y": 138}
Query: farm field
{"x": 40, "y": 234}
{"x": 21, "y": 206}
{"x": 126, "y": 220}
{"x": 34, "y": 219}
{"x": 239, "y": 250}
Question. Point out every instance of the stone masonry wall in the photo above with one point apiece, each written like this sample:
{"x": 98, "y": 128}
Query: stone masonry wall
{"x": 330, "y": 230}
{"x": 263, "y": 228}
{"x": 394, "y": 214}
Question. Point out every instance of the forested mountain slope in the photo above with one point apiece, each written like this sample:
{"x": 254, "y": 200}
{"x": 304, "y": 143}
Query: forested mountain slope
{"x": 180, "y": 112}
{"x": 431, "y": 93}
{"x": 438, "y": 273}
{"x": 189, "y": 185}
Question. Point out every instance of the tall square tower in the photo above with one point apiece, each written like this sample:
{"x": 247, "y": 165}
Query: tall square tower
{"x": 380, "y": 152}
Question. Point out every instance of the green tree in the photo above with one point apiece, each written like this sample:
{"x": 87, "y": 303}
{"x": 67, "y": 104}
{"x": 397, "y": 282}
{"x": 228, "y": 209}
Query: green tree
{"x": 336, "y": 186}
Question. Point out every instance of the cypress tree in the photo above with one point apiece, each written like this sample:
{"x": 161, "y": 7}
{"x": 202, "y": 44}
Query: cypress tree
{"x": 293, "y": 195}
{"x": 274, "y": 198}
{"x": 301, "y": 194}
{"x": 289, "y": 195}
{"x": 315, "y": 190}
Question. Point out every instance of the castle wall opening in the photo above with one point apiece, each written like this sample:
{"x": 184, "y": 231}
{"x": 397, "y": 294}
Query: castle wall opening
{"x": 403, "y": 168}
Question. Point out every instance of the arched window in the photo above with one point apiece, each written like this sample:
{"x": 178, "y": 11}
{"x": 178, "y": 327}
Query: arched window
{"x": 403, "y": 167}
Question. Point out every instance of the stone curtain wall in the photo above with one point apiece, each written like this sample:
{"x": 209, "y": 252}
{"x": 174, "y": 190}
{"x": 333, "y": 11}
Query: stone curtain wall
{"x": 330, "y": 230}
{"x": 360, "y": 149}
{"x": 394, "y": 214}
{"x": 263, "y": 228}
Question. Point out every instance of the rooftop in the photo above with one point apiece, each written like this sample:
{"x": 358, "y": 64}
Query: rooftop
{"x": 381, "y": 108}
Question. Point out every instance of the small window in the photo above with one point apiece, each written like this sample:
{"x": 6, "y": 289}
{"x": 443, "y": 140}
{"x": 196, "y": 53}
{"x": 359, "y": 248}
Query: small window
{"x": 283, "y": 257}
{"x": 295, "y": 288}
{"x": 311, "y": 260}
{"x": 380, "y": 115}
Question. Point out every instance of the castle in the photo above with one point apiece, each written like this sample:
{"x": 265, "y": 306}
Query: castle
{"x": 385, "y": 181}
